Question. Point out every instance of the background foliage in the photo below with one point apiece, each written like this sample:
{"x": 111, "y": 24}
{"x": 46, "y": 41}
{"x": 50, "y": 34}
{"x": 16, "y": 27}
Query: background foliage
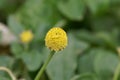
{"x": 93, "y": 28}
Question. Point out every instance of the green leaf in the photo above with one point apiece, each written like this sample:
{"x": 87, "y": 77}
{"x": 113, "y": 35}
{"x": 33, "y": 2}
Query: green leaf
{"x": 105, "y": 64}
{"x": 20, "y": 70}
{"x": 64, "y": 63}
{"x": 32, "y": 59}
{"x": 4, "y": 75}
{"x": 4, "y": 78}
{"x": 86, "y": 76}
{"x": 3, "y": 3}
{"x": 85, "y": 36}
{"x": 16, "y": 49}
{"x": 104, "y": 23}
{"x": 41, "y": 32}
{"x": 15, "y": 26}
{"x": 41, "y": 12}
{"x": 98, "y": 7}
{"x": 99, "y": 61}
{"x": 86, "y": 61}
{"x": 6, "y": 61}
{"x": 73, "y": 9}
{"x": 115, "y": 2}
{"x": 99, "y": 38}
{"x": 109, "y": 39}
{"x": 39, "y": 17}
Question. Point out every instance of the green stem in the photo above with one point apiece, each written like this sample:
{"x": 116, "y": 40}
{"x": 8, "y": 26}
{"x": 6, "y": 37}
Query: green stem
{"x": 26, "y": 46}
{"x": 44, "y": 66}
{"x": 117, "y": 71}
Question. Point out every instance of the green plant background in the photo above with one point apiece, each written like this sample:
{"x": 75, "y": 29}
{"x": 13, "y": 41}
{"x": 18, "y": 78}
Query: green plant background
{"x": 93, "y": 28}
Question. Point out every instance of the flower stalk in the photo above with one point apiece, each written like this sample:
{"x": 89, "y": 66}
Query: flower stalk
{"x": 44, "y": 66}
{"x": 117, "y": 71}
{"x": 116, "y": 74}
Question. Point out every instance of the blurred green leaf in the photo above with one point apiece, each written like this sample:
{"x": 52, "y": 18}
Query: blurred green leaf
{"x": 109, "y": 39}
{"x": 99, "y": 38}
{"x": 104, "y": 23}
{"x": 4, "y": 78}
{"x": 32, "y": 60}
{"x": 3, "y": 3}
{"x": 115, "y": 2}
{"x": 6, "y": 61}
{"x": 100, "y": 61}
{"x": 73, "y": 9}
{"x": 40, "y": 32}
{"x": 115, "y": 9}
{"x": 98, "y": 7}
{"x": 17, "y": 49}
{"x": 20, "y": 70}
{"x": 39, "y": 17}
{"x": 86, "y": 76}
{"x": 105, "y": 64}
{"x": 7, "y": 6}
{"x": 85, "y": 36}
{"x": 15, "y": 26}
{"x": 64, "y": 63}
{"x": 86, "y": 61}
{"x": 41, "y": 12}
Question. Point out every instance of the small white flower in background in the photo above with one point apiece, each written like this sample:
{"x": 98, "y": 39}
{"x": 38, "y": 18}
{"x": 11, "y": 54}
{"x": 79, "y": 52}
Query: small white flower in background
{"x": 6, "y": 37}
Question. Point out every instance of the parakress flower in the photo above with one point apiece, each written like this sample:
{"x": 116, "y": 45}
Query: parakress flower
{"x": 26, "y": 36}
{"x": 56, "y": 39}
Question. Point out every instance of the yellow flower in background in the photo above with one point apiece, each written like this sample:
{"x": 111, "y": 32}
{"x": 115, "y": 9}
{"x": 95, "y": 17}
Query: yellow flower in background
{"x": 26, "y": 36}
{"x": 56, "y": 39}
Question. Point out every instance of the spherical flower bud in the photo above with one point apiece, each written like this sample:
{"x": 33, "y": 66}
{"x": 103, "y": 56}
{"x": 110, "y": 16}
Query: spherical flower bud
{"x": 26, "y": 36}
{"x": 56, "y": 39}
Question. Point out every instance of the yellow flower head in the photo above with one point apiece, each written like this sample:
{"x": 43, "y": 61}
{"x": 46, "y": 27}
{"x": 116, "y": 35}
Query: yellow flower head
{"x": 26, "y": 36}
{"x": 56, "y": 39}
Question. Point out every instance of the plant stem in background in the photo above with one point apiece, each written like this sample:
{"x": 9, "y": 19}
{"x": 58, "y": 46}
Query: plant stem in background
{"x": 9, "y": 72}
{"x": 44, "y": 66}
{"x": 117, "y": 71}
{"x": 26, "y": 46}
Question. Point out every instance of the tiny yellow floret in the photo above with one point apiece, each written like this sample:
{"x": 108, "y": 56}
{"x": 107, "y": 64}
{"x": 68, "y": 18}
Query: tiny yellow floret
{"x": 56, "y": 39}
{"x": 26, "y": 36}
